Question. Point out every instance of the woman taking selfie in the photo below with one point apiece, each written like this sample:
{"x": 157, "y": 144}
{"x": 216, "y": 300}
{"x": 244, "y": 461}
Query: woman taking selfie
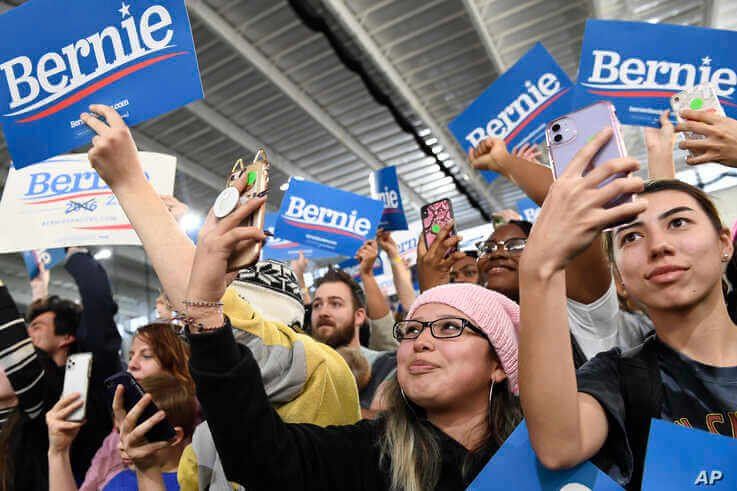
{"x": 671, "y": 259}
{"x": 450, "y": 407}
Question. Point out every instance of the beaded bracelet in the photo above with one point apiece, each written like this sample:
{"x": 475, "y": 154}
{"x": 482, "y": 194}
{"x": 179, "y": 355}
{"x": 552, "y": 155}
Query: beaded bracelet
{"x": 201, "y": 303}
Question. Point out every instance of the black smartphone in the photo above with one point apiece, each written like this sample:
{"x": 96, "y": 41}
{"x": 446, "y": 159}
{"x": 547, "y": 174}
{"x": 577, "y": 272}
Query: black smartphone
{"x": 163, "y": 430}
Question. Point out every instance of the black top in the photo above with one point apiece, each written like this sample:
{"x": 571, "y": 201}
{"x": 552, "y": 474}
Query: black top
{"x": 694, "y": 395}
{"x": 260, "y": 451}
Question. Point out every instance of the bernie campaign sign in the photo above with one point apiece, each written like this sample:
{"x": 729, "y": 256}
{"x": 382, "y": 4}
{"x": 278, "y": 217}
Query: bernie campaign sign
{"x": 63, "y": 202}
{"x": 638, "y": 66}
{"x": 683, "y": 458}
{"x": 58, "y": 57}
{"x": 385, "y": 186}
{"x": 327, "y": 218}
{"x": 287, "y": 250}
{"x": 517, "y": 105}
{"x": 515, "y": 466}
{"x": 48, "y": 257}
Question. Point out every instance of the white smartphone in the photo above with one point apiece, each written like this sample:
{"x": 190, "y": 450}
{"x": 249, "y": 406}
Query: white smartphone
{"x": 77, "y": 379}
{"x": 702, "y": 97}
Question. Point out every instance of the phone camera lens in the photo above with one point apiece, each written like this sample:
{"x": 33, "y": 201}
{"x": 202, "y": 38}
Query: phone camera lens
{"x": 558, "y": 138}
{"x": 556, "y": 127}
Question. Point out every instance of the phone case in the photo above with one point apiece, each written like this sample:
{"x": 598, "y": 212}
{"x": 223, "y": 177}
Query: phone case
{"x": 163, "y": 430}
{"x": 434, "y": 216}
{"x": 77, "y": 379}
{"x": 702, "y": 97}
{"x": 258, "y": 182}
{"x": 566, "y": 135}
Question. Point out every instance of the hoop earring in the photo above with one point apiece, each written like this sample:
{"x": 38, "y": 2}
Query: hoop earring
{"x": 491, "y": 395}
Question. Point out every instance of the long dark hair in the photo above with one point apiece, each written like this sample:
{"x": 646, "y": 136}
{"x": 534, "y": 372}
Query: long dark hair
{"x": 7, "y": 462}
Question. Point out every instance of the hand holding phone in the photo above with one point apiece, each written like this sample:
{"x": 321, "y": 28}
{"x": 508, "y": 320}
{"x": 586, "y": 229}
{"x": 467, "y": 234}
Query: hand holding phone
{"x": 124, "y": 401}
{"x": 256, "y": 185}
{"x": 434, "y": 217}
{"x": 567, "y": 135}
{"x": 702, "y": 97}
{"x": 77, "y": 380}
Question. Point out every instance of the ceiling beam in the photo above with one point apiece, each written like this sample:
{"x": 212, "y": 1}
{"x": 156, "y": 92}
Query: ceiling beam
{"x": 367, "y": 43}
{"x": 711, "y": 13}
{"x": 487, "y": 41}
{"x": 230, "y": 129}
{"x": 188, "y": 167}
{"x": 232, "y": 37}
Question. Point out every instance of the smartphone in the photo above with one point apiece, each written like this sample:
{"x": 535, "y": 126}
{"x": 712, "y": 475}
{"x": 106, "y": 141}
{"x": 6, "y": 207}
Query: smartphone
{"x": 702, "y": 97}
{"x": 163, "y": 430}
{"x": 257, "y": 173}
{"x": 434, "y": 217}
{"x": 77, "y": 379}
{"x": 566, "y": 135}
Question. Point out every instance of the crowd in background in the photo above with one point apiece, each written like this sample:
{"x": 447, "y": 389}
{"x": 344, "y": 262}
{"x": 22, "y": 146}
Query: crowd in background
{"x": 584, "y": 330}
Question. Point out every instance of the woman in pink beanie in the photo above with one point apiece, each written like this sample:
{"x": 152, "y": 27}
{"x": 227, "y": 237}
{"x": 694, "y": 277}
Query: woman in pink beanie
{"x": 448, "y": 410}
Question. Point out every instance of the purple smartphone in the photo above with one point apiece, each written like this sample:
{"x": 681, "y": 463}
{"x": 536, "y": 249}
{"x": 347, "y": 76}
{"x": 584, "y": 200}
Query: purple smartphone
{"x": 566, "y": 135}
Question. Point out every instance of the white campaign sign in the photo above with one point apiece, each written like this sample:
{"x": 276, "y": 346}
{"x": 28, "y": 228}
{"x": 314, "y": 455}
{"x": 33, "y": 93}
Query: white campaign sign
{"x": 63, "y": 202}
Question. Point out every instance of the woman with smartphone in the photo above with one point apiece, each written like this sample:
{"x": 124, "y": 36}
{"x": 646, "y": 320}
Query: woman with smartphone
{"x": 155, "y": 350}
{"x": 671, "y": 258}
{"x": 451, "y": 404}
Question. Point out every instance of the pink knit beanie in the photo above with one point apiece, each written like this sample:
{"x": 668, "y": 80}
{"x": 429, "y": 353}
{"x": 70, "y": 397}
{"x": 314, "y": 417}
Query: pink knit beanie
{"x": 490, "y": 311}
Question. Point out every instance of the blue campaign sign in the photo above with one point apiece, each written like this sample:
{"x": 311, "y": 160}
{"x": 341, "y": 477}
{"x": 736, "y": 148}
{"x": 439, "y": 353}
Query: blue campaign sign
{"x": 57, "y": 58}
{"x": 351, "y": 266}
{"x": 638, "y": 66}
{"x": 49, "y": 258}
{"x": 683, "y": 458}
{"x": 327, "y": 218}
{"x": 518, "y": 104}
{"x": 286, "y": 250}
{"x": 385, "y": 186}
{"x": 528, "y": 209}
{"x": 515, "y": 466}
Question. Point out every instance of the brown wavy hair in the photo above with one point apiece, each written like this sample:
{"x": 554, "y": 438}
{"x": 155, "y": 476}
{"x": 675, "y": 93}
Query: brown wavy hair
{"x": 175, "y": 399}
{"x": 170, "y": 349}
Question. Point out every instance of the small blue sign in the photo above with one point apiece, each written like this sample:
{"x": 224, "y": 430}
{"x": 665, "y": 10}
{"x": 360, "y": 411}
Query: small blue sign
{"x": 385, "y": 186}
{"x": 683, "y": 458}
{"x": 327, "y": 218}
{"x": 59, "y": 57}
{"x": 48, "y": 257}
{"x": 515, "y": 466}
{"x": 517, "y": 105}
{"x": 287, "y": 250}
{"x": 638, "y": 66}
{"x": 528, "y": 209}
{"x": 351, "y": 266}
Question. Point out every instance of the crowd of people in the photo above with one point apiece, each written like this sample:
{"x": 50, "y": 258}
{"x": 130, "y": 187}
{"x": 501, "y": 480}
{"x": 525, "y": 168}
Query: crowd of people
{"x": 584, "y": 329}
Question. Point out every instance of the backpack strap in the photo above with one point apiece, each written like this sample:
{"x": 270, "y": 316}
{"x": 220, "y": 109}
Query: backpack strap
{"x": 579, "y": 358}
{"x": 642, "y": 391}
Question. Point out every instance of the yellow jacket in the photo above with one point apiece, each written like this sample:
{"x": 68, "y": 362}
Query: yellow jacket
{"x": 306, "y": 381}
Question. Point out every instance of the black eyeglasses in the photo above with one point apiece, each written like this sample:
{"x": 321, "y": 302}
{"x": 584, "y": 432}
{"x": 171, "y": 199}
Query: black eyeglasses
{"x": 514, "y": 245}
{"x": 449, "y": 327}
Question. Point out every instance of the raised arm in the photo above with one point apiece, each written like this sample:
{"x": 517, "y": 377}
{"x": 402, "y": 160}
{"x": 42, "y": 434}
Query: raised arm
{"x": 400, "y": 272}
{"x": 588, "y": 277}
{"x": 97, "y": 332}
{"x": 565, "y": 427}
{"x": 115, "y": 157}
{"x": 261, "y": 451}
{"x": 376, "y": 303}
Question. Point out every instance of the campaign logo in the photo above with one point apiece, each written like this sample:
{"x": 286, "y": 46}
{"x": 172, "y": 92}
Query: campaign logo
{"x": 137, "y": 57}
{"x": 385, "y": 186}
{"x": 326, "y": 217}
{"x": 286, "y": 250}
{"x": 515, "y": 466}
{"x": 638, "y": 66}
{"x": 517, "y": 105}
